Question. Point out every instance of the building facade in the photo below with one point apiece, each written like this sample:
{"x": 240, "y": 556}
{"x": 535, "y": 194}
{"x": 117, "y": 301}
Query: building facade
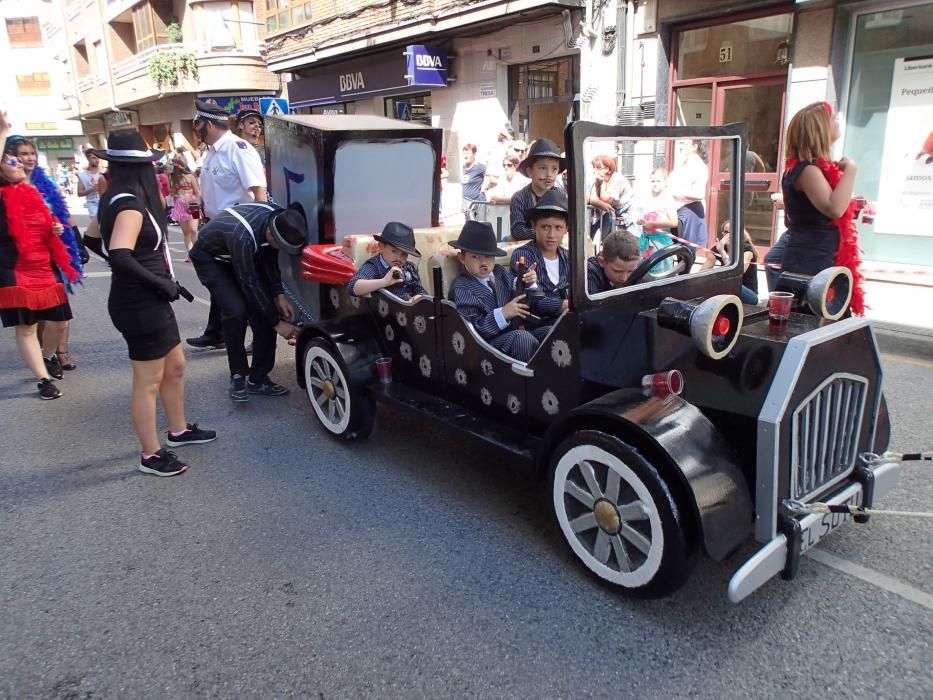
{"x": 141, "y": 63}
{"x": 35, "y": 83}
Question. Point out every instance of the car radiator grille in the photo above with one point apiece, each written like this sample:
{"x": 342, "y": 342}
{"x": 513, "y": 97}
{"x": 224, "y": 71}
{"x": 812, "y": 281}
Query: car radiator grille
{"x": 825, "y": 434}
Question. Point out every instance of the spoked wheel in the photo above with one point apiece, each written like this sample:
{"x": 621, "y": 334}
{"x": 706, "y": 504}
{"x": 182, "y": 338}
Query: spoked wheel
{"x": 619, "y": 516}
{"x": 340, "y": 407}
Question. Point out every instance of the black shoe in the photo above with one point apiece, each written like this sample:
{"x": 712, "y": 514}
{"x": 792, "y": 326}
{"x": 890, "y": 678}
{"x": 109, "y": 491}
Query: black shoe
{"x": 206, "y": 341}
{"x": 238, "y": 392}
{"x": 162, "y": 463}
{"x": 48, "y": 390}
{"x": 266, "y": 387}
{"x": 67, "y": 364}
{"x": 53, "y": 367}
{"x": 192, "y": 436}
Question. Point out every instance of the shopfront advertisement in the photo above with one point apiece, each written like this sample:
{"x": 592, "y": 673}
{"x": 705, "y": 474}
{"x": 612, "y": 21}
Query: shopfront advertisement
{"x": 905, "y": 193}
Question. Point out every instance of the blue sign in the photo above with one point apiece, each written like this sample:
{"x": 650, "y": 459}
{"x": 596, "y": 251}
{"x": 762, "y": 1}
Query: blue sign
{"x": 273, "y": 106}
{"x": 426, "y": 66}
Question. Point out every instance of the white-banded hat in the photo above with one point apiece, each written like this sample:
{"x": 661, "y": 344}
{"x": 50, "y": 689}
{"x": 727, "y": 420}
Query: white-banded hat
{"x": 208, "y": 110}
{"x": 127, "y": 146}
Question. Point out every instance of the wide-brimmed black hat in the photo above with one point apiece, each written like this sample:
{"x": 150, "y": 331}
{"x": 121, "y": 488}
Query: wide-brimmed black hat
{"x": 126, "y": 146}
{"x": 477, "y": 237}
{"x": 552, "y": 203}
{"x": 401, "y": 236}
{"x": 542, "y": 148}
{"x": 208, "y": 110}
{"x": 244, "y": 113}
{"x": 289, "y": 229}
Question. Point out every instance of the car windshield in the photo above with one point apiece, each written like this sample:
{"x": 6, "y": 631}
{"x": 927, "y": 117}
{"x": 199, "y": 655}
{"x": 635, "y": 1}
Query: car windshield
{"x": 656, "y": 209}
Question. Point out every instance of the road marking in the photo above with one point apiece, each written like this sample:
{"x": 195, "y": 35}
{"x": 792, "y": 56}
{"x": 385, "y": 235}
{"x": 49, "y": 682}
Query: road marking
{"x": 907, "y": 360}
{"x": 888, "y": 583}
{"x": 105, "y": 273}
{"x": 201, "y": 301}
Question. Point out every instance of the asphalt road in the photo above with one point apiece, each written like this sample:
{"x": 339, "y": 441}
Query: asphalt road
{"x": 286, "y": 564}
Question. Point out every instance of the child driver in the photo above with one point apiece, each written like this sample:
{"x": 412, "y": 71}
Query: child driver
{"x": 615, "y": 263}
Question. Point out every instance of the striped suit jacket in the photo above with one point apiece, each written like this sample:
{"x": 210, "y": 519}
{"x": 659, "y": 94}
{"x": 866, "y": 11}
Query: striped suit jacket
{"x": 554, "y": 294}
{"x": 476, "y": 302}
{"x": 376, "y": 268}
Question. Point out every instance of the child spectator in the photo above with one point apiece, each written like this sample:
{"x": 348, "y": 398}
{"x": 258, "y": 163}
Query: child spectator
{"x": 615, "y": 263}
{"x": 720, "y": 249}
{"x": 550, "y": 220}
{"x": 390, "y": 269}
{"x": 542, "y": 165}
{"x": 483, "y": 293}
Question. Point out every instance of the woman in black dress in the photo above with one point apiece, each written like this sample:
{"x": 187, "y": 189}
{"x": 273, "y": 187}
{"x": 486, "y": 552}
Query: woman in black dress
{"x": 133, "y": 227}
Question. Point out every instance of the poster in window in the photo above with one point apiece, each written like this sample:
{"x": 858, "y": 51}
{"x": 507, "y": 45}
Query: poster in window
{"x": 905, "y": 195}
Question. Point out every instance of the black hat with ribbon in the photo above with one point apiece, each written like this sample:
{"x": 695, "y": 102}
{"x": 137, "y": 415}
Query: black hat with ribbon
{"x": 478, "y": 237}
{"x": 399, "y": 235}
{"x": 552, "y": 203}
{"x": 542, "y": 148}
{"x": 290, "y": 229}
{"x": 210, "y": 111}
{"x": 126, "y": 146}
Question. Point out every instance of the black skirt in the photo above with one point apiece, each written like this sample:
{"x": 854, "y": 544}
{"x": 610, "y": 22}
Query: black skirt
{"x": 26, "y": 317}
{"x": 150, "y": 330}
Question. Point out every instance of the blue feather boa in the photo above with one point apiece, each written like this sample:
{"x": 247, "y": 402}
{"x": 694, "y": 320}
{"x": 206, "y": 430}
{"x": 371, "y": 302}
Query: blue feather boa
{"x": 59, "y": 208}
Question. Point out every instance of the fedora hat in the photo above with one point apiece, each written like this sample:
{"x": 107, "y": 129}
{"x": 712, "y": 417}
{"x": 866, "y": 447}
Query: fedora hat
{"x": 553, "y": 202}
{"x": 542, "y": 148}
{"x": 126, "y": 146}
{"x": 399, "y": 235}
{"x": 477, "y": 237}
{"x": 289, "y": 228}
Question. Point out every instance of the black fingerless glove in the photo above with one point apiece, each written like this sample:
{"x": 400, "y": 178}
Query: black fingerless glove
{"x": 123, "y": 263}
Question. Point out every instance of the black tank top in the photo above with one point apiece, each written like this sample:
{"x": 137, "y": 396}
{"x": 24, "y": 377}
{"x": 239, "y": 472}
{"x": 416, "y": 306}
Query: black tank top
{"x": 814, "y": 238}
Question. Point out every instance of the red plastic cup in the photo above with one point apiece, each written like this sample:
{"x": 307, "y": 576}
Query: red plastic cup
{"x": 194, "y": 210}
{"x": 384, "y": 369}
{"x": 779, "y": 306}
{"x": 663, "y": 384}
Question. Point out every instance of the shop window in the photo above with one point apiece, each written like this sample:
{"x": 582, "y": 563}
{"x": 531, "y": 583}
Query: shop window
{"x": 750, "y": 46}
{"x": 338, "y": 108}
{"x": 23, "y": 32}
{"x": 889, "y": 129}
{"x": 34, "y": 84}
{"x": 410, "y": 108}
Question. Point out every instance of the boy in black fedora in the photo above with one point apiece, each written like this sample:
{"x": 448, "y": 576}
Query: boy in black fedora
{"x": 236, "y": 258}
{"x": 389, "y": 269}
{"x": 542, "y": 166}
{"x": 483, "y": 293}
{"x": 550, "y": 221}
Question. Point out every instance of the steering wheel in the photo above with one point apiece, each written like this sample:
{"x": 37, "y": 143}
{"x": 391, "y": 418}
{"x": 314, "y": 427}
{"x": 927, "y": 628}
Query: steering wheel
{"x": 685, "y": 257}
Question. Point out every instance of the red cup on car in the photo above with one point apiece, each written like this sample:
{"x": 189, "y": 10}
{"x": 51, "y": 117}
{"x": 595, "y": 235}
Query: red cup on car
{"x": 663, "y": 384}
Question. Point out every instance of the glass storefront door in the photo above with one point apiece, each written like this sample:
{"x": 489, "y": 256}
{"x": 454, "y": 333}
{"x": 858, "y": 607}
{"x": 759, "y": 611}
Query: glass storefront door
{"x": 886, "y": 133}
{"x": 737, "y": 72}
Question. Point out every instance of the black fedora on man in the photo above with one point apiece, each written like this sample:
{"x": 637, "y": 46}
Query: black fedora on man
{"x": 400, "y": 235}
{"x": 289, "y": 228}
{"x": 542, "y": 148}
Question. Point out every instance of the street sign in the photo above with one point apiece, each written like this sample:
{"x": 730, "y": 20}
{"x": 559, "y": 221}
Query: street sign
{"x": 273, "y": 106}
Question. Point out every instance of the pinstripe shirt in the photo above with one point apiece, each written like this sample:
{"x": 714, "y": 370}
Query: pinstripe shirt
{"x": 237, "y": 236}
{"x": 376, "y": 268}
{"x": 554, "y": 293}
{"x": 522, "y": 201}
{"x": 478, "y": 304}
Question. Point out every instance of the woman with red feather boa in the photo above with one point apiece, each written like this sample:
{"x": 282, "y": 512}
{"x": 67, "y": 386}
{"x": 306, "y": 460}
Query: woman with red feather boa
{"x": 818, "y": 204}
{"x": 31, "y": 289}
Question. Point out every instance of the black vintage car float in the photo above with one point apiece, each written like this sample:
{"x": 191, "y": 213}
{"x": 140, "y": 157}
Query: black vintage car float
{"x": 639, "y": 483}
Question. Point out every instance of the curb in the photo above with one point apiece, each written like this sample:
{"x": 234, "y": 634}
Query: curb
{"x": 895, "y": 339}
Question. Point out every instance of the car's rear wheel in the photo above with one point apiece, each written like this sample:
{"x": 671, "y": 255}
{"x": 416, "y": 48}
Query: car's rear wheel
{"x": 619, "y": 516}
{"x": 341, "y": 408}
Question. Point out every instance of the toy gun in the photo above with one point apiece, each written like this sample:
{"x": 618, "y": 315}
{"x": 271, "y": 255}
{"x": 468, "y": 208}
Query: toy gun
{"x": 532, "y": 294}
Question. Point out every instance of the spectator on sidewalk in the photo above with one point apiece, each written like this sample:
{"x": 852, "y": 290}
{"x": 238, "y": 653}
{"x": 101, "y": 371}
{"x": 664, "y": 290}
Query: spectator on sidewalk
{"x": 87, "y": 187}
{"x": 473, "y": 173}
{"x": 231, "y": 173}
{"x": 134, "y": 227}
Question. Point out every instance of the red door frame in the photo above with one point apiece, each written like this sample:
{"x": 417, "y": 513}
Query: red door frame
{"x": 721, "y": 83}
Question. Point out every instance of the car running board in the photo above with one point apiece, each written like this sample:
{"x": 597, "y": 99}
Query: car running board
{"x": 433, "y": 408}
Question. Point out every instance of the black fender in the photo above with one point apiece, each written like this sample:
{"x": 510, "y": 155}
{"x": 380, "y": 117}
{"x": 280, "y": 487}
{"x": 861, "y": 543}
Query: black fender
{"x": 686, "y": 448}
{"x": 352, "y": 337}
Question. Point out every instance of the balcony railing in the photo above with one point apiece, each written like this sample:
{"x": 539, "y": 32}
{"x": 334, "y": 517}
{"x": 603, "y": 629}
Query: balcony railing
{"x": 128, "y": 67}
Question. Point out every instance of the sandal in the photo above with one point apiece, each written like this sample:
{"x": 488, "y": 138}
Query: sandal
{"x": 64, "y": 358}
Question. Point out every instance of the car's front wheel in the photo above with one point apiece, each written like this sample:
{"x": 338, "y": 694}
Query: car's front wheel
{"x": 341, "y": 408}
{"x": 619, "y": 516}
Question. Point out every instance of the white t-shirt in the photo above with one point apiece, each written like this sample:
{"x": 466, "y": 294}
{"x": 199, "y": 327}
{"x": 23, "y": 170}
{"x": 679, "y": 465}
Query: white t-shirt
{"x": 553, "y": 269}
{"x": 687, "y": 182}
{"x": 229, "y": 169}
{"x": 89, "y": 182}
